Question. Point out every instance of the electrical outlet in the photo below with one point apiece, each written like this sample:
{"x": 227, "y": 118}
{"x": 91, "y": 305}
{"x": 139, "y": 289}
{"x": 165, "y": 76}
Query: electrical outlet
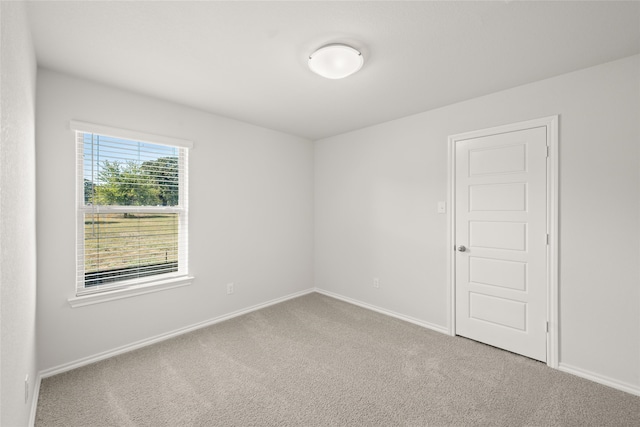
{"x": 26, "y": 389}
{"x": 230, "y": 288}
{"x": 376, "y": 282}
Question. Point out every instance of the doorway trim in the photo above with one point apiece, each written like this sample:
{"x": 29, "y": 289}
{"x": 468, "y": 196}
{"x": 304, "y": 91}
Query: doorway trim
{"x": 551, "y": 124}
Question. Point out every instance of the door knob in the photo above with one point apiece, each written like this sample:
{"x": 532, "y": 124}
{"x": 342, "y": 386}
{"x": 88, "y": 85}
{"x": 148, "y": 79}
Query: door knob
{"x": 461, "y": 248}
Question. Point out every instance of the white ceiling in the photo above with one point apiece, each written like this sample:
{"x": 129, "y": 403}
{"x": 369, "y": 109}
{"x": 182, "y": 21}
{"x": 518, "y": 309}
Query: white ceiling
{"x": 247, "y": 60}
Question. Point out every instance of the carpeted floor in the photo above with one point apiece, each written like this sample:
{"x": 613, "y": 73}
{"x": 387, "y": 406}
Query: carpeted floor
{"x": 317, "y": 361}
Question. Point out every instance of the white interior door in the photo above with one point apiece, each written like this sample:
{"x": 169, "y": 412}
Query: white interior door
{"x": 501, "y": 240}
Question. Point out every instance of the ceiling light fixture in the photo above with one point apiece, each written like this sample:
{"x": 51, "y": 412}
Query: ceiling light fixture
{"x": 335, "y": 61}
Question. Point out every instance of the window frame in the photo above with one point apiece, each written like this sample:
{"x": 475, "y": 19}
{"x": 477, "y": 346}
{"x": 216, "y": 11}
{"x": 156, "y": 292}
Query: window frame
{"x": 136, "y": 286}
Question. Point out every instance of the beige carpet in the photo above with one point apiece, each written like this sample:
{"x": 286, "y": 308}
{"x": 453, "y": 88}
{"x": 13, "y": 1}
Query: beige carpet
{"x": 317, "y": 361}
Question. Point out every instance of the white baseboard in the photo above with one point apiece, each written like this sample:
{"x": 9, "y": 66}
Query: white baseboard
{"x": 34, "y": 400}
{"x": 158, "y": 338}
{"x": 409, "y": 319}
{"x": 600, "y": 379}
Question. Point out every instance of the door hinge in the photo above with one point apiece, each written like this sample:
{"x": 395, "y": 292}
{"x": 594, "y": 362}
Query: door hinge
{"x": 548, "y": 238}
{"x": 547, "y": 326}
{"x": 548, "y": 150}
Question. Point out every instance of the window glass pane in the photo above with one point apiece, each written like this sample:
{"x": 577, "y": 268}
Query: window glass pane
{"x": 123, "y": 172}
{"x": 127, "y": 246}
{"x": 133, "y": 211}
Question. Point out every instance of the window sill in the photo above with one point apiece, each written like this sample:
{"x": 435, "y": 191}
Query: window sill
{"x": 146, "y": 288}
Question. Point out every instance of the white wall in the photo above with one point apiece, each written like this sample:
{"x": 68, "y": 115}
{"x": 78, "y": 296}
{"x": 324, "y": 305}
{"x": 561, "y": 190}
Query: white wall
{"x": 251, "y": 218}
{"x": 375, "y": 211}
{"x": 17, "y": 215}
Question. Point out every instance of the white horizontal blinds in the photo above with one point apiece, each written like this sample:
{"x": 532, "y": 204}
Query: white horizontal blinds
{"x": 120, "y": 246}
{"x": 122, "y": 172}
{"x": 132, "y": 211}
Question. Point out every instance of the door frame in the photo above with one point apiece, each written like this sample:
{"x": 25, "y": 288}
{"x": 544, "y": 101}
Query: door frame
{"x": 551, "y": 124}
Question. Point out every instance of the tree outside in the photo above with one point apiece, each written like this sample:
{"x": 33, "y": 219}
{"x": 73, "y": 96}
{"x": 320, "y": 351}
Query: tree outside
{"x": 151, "y": 183}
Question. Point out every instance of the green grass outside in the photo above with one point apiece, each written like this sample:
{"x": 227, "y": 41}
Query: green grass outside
{"x": 113, "y": 241}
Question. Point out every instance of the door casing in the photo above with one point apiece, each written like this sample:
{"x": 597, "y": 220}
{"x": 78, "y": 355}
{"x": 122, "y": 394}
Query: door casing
{"x": 551, "y": 124}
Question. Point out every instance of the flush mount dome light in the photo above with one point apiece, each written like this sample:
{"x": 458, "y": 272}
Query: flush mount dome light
{"x": 335, "y": 61}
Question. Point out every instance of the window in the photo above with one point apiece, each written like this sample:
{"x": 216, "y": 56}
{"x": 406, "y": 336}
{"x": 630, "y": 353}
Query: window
{"x": 132, "y": 209}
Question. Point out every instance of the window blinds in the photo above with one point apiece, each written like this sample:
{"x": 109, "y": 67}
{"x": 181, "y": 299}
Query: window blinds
{"x": 132, "y": 210}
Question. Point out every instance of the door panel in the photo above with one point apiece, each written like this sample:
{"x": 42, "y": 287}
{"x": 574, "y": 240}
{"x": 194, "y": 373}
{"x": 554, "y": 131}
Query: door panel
{"x": 498, "y": 197}
{"x": 496, "y": 272}
{"x": 497, "y": 160}
{"x": 498, "y": 235}
{"x": 500, "y": 219}
{"x": 499, "y": 311}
